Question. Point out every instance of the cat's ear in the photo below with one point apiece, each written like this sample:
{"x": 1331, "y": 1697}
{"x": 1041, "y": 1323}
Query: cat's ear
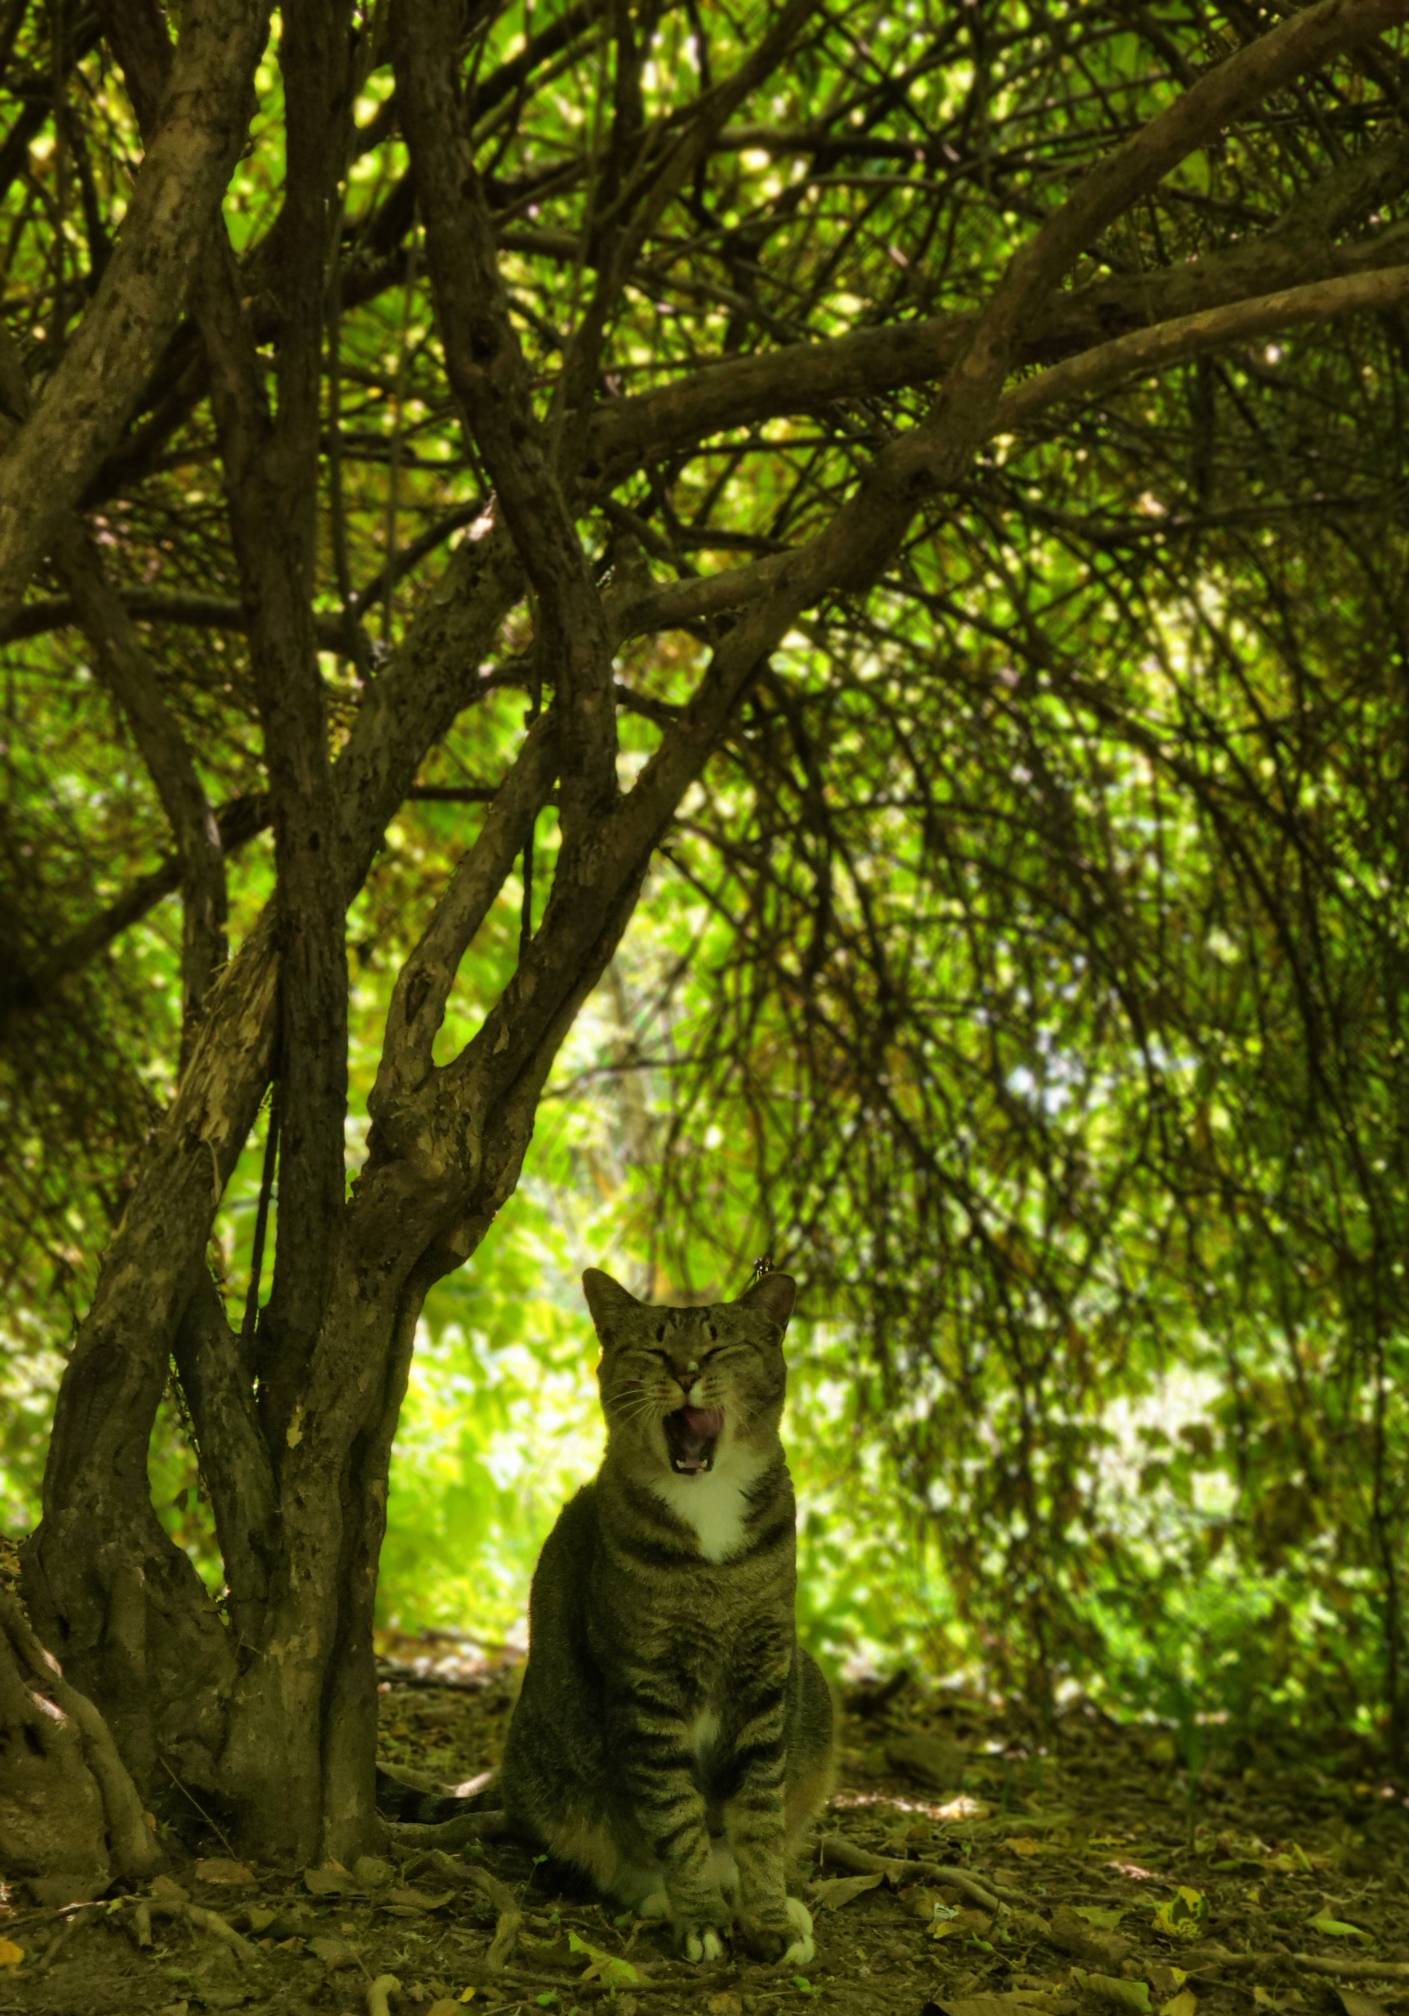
{"x": 607, "y": 1299}
{"x": 774, "y": 1295}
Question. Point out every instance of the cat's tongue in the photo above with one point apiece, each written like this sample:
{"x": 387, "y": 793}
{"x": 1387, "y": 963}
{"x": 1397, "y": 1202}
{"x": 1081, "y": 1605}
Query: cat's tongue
{"x": 690, "y": 1436}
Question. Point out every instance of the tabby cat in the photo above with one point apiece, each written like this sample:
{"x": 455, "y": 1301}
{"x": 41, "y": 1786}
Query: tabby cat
{"x": 672, "y": 1739}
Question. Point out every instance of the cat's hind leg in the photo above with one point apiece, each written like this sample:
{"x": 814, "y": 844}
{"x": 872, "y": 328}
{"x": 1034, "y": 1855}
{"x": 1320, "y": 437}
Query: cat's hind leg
{"x": 642, "y": 1890}
{"x": 588, "y": 1845}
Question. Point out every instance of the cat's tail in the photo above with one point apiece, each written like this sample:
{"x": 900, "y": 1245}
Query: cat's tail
{"x": 408, "y": 1805}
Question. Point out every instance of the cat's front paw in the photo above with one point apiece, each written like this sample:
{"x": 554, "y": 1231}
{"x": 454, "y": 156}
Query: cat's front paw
{"x": 699, "y": 1942}
{"x": 785, "y": 1940}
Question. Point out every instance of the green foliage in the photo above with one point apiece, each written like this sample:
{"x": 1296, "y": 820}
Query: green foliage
{"x": 1025, "y": 973}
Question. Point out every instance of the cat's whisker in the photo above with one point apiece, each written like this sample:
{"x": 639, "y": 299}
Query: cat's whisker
{"x": 645, "y": 1405}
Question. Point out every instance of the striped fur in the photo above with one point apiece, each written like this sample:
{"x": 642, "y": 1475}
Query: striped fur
{"x": 671, "y": 1738}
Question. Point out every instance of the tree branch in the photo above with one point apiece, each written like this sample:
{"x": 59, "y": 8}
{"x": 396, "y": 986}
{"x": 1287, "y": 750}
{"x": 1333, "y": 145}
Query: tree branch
{"x": 424, "y": 982}
{"x": 1166, "y": 343}
{"x": 151, "y": 605}
{"x": 271, "y": 466}
{"x": 801, "y": 377}
{"x": 501, "y": 1068}
{"x": 238, "y": 822}
{"x": 490, "y": 378}
{"x": 153, "y": 1263}
{"x": 130, "y": 676}
{"x": 234, "y": 1457}
{"x": 86, "y": 401}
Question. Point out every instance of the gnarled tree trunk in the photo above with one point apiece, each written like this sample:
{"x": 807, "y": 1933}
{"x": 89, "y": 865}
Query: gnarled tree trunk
{"x": 70, "y": 1817}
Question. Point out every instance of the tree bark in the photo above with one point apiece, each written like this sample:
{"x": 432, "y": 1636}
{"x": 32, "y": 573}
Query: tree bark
{"x": 70, "y": 1817}
{"x": 93, "y": 389}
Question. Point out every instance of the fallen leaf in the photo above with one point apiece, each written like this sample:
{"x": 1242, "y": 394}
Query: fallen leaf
{"x": 1098, "y": 1915}
{"x": 220, "y": 1869}
{"x": 410, "y": 1899}
{"x": 444, "y": 2007}
{"x": 960, "y": 1924}
{"x": 333, "y": 1953}
{"x": 1355, "y": 2003}
{"x": 1111, "y": 1988}
{"x": 835, "y": 1891}
{"x": 1182, "y": 2004}
{"x": 285, "y": 1921}
{"x": 992, "y": 2005}
{"x": 1182, "y": 1915}
{"x": 608, "y": 1968}
{"x": 1023, "y": 1844}
{"x": 1336, "y": 1928}
{"x": 1103, "y": 1950}
{"x": 10, "y": 1954}
{"x": 169, "y": 1888}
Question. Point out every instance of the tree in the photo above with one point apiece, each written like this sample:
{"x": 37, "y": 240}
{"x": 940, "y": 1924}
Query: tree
{"x": 457, "y": 241}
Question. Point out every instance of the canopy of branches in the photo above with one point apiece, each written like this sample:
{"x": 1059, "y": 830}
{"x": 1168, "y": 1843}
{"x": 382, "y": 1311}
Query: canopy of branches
{"x": 1025, "y": 967}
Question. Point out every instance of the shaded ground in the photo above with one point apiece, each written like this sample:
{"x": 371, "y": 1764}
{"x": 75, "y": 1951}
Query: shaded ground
{"x": 965, "y": 1867}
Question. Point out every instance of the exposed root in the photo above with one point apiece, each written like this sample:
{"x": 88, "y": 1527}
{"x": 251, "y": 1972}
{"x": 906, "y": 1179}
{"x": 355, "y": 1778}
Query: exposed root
{"x": 487, "y": 1826}
{"x": 839, "y": 1853}
{"x": 468, "y": 1876}
{"x": 57, "y": 1944}
{"x": 205, "y": 1920}
{"x": 510, "y": 1920}
{"x": 70, "y": 1816}
{"x": 1348, "y": 1969}
{"x": 1211, "y": 1962}
{"x": 379, "y": 1993}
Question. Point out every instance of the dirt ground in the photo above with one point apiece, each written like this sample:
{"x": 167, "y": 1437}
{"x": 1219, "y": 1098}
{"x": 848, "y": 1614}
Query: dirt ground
{"x": 967, "y": 1866}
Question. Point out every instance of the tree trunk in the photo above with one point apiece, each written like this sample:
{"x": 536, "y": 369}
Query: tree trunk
{"x": 70, "y": 1817}
{"x": 267, "y": 1712}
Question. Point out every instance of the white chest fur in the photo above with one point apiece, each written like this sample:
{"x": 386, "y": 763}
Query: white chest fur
{"x": 703, "y": 1732}
{"x": 712, "y": 1504}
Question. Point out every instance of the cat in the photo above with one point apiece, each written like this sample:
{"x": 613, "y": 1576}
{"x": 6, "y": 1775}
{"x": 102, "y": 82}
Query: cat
{"x": 672, "y": 1739}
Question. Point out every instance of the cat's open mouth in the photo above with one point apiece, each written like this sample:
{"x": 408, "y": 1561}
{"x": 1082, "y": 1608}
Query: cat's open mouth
{"x": 691, "y": 1434}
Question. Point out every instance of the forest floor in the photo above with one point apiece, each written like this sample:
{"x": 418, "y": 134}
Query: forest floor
{"x": 966, "y": 1867}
